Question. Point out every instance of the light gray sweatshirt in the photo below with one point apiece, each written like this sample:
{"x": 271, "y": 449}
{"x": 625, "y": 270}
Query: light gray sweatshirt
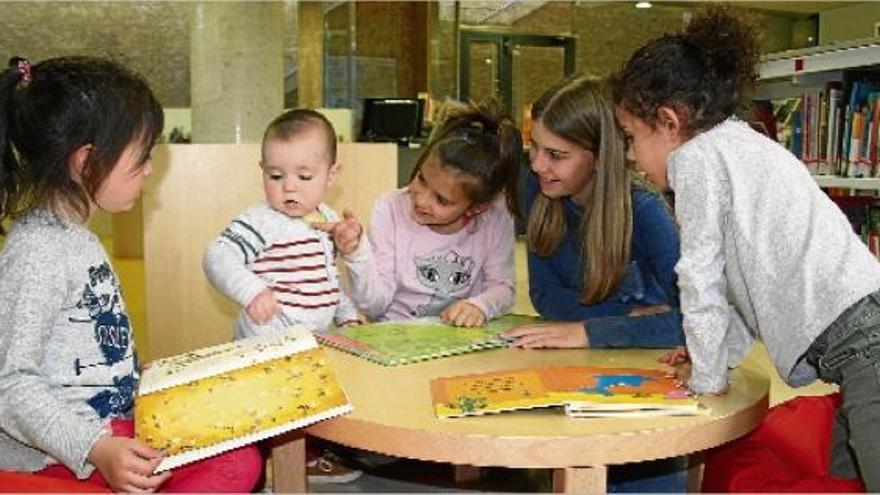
{"x": 67, "y": 357}
{"x": 756, "y": 230}
{"x": 263, "y": 248}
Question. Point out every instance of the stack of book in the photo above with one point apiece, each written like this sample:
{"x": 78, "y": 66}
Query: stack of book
{"x": 584, "y": 391}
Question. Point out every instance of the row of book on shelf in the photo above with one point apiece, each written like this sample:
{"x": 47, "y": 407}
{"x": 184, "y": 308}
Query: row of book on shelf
{"x": 869, "y": 229}
{"x": 833, "y": 131}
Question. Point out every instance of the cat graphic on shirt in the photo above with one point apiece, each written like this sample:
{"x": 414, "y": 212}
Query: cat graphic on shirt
{"x": 445, "y": 275}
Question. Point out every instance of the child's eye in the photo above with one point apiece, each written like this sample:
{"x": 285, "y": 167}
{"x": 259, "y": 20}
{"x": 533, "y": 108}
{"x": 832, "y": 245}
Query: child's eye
{"x": 533, "y": 153}
{"x": 554, "y": 155}
{"x": 305, "y": 177}
{"x": 275, "y": 176}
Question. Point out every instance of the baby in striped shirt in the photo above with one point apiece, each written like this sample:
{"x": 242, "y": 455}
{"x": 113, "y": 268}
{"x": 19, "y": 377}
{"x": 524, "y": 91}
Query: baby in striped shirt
{"x": 269, "y": 259}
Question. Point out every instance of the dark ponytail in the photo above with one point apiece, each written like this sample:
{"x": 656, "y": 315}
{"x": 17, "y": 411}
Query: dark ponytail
{"x": 481, "y": 141}
{"x": 65, "y": 104}
{"x": 10, "y": 171}
{"x": 706, "y": 73}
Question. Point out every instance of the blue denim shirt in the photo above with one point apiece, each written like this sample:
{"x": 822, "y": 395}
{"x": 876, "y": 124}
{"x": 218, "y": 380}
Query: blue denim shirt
{"x": 556, "y": 281}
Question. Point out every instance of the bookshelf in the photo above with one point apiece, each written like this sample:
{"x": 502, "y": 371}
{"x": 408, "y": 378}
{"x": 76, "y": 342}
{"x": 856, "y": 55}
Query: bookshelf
{"x": 826, "y": 102}
{"x": 825, "y": 105}
{"x": 861, "y": 184}
{"x": 836, "y": 57}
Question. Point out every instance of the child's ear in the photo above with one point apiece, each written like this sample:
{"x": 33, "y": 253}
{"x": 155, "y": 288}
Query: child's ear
{"x": 333, "y": 174}
{"x": 671, "y": 122}
{"x": 476, "y": 209}
{"x": 77, "y": 161}
{"x": 669, "y": 119}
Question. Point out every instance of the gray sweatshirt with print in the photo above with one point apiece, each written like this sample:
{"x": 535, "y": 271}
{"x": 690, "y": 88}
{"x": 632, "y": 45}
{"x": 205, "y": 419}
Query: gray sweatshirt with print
{"x": 67, "y": 358}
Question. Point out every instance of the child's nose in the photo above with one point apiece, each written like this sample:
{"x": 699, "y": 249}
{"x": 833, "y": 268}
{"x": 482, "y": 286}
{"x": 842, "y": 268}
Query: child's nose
{"x": 538, "y": 165}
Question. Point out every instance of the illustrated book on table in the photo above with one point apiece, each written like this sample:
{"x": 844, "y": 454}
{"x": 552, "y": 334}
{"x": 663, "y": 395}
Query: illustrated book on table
{"x": 584, "y": 391}
{"x": 402, "y": 342}
{"x": 201, "y": 403}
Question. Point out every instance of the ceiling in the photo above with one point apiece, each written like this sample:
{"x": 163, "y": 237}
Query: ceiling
{"x": 507, "y": 12}
{"x": 153, "y": 36}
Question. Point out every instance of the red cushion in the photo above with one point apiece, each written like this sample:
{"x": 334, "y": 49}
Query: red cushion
{"x": 11, "y": 481}
{"x": 788, "y": 452}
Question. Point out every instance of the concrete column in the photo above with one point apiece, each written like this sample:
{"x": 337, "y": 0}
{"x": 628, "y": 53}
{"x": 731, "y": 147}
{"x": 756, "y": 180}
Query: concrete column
{"x": 237, "y": 70}
{"x": 310, "y": 72}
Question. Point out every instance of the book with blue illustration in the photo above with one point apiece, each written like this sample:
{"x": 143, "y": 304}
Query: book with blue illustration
{"x": 584, "y": 391}
{"x": 394, "y": 343}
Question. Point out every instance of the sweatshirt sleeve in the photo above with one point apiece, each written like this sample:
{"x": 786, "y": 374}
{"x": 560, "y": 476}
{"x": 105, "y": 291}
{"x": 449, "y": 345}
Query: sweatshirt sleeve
{"x": 371, "y": 267}
{"x": 498, "y": 270}
{"x": 655, "y": 238}
{"x": 607, "y": 323}
{"x": 227, "y": 259}
{"x": 702, "y": 196}
{"x": 32, "y": 409}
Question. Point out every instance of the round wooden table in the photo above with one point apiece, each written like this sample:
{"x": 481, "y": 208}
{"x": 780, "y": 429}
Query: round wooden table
{"x": 393, "y": 415}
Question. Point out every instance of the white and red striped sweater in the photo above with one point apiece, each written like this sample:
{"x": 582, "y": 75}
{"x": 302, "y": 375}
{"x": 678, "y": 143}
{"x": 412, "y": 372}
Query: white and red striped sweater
{"x": 263, "y": 248}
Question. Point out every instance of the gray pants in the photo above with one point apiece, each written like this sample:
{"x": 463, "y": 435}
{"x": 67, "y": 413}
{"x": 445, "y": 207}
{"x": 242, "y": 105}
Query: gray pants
{"x": 848, "y": 354}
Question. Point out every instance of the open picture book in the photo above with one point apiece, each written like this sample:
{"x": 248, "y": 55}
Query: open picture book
{"x": 584, "y": 391}
{"x": 201, "y": 403}
{"x": 402, "y": 342}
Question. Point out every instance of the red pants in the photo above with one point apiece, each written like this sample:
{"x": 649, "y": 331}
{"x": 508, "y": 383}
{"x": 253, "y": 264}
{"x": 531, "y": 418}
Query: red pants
{"x": 238, "y": 470}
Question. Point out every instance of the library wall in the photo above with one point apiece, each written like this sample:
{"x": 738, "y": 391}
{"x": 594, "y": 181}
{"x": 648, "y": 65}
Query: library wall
{"x": 607, "y": 33}
{"x": 848, "y": 23}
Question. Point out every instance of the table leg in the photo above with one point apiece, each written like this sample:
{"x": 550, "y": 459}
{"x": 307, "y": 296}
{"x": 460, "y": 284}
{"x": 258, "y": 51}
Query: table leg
{"x": 580, "y": 480}
{"x": 464, "y": 473}
{"x": 289, "y": 463}
{"x": 696, "y": 462}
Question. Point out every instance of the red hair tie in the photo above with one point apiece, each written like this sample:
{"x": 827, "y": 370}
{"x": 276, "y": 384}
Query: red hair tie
{"x": 24, "y": 68}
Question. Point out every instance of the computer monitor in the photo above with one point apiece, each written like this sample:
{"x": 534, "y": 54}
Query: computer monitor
{"x": 391, "y": 119}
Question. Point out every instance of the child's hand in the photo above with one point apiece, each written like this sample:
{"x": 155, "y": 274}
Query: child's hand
{"x": 263, "y": 307}
{"x": 346, "y": 233}
{"x": 676, "y": 356}
{"x": 463, "y": 314}
{"x": 649, "y": 310}
{"x": 547, "y": 335}
{"x": 127, "y": 464}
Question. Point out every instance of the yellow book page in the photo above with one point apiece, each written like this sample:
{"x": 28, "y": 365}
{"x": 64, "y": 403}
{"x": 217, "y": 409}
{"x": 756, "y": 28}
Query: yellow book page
{"x": 489, "y": 392}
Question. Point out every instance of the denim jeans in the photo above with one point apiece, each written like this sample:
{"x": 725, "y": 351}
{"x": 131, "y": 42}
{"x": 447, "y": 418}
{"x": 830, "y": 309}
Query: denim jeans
{"x": 661, "y": 476}
{"x": 848, "y": 353}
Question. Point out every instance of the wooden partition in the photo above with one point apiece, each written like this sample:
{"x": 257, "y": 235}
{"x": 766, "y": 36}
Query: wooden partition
{"x": 195, "y": 190}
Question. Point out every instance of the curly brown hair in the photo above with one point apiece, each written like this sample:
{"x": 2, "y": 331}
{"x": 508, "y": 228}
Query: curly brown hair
{"x": 705, "y": 73}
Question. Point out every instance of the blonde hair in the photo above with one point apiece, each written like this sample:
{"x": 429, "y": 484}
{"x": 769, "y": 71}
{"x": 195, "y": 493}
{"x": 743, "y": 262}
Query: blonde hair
{"x": 580, "y": 111}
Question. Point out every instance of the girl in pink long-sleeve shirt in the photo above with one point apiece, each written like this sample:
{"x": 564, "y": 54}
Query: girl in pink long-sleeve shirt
{"x": 443, "y": 245}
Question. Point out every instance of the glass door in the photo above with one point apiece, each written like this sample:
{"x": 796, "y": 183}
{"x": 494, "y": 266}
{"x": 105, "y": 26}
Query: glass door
{"x": 514, "y": 68}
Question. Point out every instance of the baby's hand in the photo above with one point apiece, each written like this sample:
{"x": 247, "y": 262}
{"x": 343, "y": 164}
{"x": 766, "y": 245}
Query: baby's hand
{"x": 463, "y": 314}
{"x": 127, "y": 464}
{"x": 346, "y": 233}
{"x": 263, "y": 307}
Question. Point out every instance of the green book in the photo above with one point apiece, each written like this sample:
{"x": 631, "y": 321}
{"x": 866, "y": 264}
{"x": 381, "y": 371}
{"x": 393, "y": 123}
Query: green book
{"x": 392, "y": 343}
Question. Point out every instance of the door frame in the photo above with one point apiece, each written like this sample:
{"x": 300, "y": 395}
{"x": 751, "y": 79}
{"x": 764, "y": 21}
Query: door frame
{"x": 504, "y": 43}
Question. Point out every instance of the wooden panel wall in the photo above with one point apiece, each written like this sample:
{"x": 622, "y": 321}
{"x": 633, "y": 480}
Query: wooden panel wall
{"x": 193, "y": 193}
